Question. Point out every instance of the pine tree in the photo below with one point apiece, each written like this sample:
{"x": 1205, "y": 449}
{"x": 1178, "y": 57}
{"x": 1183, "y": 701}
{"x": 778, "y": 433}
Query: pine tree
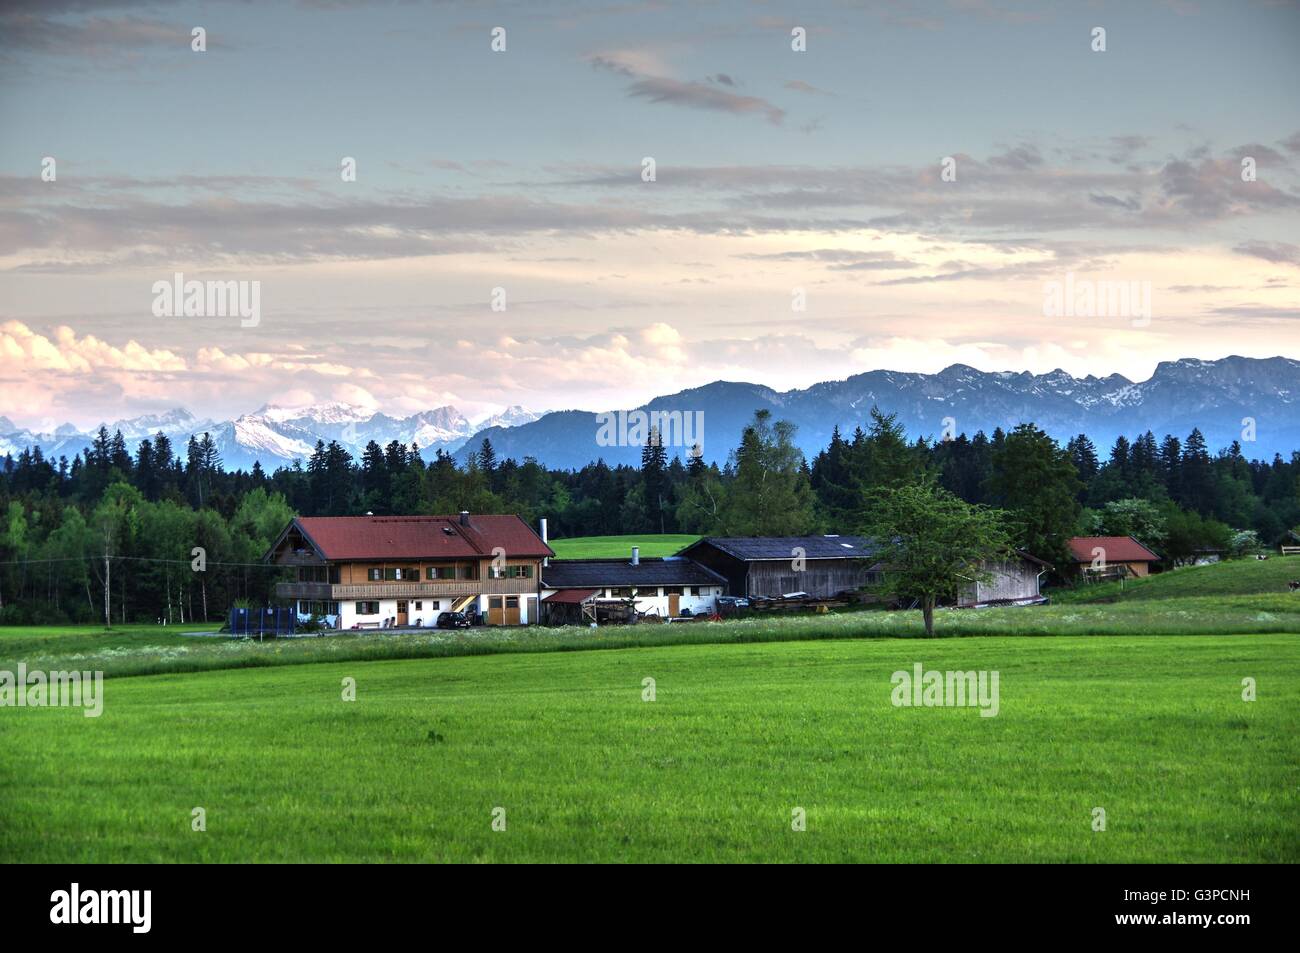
{"x": 654, "y": 481}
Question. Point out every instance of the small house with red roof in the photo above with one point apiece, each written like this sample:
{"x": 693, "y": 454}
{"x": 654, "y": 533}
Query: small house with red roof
{"x": 385, "y": 571}
{"x": 1109, "y": 554}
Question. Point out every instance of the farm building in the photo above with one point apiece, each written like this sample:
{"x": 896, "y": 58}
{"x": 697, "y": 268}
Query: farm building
{"x": 771, "y": 566}
{"x": 385, "y": 571}
{"x": 1108, "y": 555}
{"x": 574, "y": 589}
{"x": 1015, "y": 580}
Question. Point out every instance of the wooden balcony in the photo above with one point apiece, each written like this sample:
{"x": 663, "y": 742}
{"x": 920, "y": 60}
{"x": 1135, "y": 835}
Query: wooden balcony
{"x": 434, "y": 589}
{"x": 299, "y": 557}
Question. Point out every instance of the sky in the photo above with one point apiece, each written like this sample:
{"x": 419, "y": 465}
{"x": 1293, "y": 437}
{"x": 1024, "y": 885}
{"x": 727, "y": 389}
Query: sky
{"x": 904, "y": 193}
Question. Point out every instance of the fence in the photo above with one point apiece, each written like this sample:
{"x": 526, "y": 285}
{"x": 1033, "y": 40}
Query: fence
{"x": 272, "y": 621}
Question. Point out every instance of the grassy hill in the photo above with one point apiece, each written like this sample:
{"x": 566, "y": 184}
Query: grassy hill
{"x": 613, "y": 547}
{"x": 1238, "y": 577}
{"x": 1152, "y": 730}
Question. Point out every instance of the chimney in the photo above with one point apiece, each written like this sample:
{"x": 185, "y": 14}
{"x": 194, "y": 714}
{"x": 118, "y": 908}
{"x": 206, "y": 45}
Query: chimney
{"x": 636, "y": 555}
{"x": 542, "y": 526}
{"x": 464, "y": 517}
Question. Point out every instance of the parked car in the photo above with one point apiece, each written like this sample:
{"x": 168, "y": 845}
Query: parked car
{"x": 453, "y": 620}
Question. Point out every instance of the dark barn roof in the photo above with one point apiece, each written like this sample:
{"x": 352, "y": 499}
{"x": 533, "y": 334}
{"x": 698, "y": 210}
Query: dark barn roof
{"x": 599, "y": 573}
{"x": 754, "y": 548}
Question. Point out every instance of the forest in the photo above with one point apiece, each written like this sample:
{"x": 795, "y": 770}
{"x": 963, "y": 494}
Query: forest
{"x": 176, "y": 537}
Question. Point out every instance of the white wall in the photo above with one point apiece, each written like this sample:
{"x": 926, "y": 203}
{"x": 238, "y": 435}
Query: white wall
{"x": 426, "y": 616}
{"x": 702, "y": 600}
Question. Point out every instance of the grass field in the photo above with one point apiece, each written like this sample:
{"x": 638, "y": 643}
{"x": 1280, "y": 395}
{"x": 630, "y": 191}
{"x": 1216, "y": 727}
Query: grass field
{"x": 1133, "y": 704}
{"x": 1154, "y": 731}
{"x": 150, "y": 650}
{"x": 1240, "y": 577}
{"x": 613, "y": 547}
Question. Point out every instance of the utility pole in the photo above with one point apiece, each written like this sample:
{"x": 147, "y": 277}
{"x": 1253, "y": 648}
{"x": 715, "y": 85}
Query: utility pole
{"x": 108, "y": 588}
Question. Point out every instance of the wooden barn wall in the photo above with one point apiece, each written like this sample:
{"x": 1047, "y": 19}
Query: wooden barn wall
{"x": 1012, "y": 579}
{"x": 820, "y": 577}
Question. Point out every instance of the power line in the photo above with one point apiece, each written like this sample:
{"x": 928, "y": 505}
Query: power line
{"x": 151, "y": 559}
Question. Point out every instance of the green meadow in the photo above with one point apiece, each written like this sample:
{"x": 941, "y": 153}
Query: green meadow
{"x": 1153, "y": 731}
{"x": 1128, "y": 702}
{"x": 613, "y": 547}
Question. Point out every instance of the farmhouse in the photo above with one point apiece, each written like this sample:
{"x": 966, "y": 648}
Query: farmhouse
{"x": 383, "y": 571}
{"x": 771, "y": 566}
{"x": 1098, "y": 555}
{"x": 574, "y": 589}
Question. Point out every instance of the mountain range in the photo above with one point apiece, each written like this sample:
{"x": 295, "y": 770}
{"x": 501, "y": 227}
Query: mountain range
{"x": 274, "y": 435}
{"x": 1215, "y": 396}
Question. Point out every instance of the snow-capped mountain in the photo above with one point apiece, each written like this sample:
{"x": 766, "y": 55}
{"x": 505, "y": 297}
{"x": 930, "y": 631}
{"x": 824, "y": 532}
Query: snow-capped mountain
{"x": 1216, "y": 396}
{"x": 1219, "y": 397}
{"x": 275, "y": 435}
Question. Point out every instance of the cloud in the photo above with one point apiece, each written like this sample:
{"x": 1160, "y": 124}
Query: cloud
{"x": 1280, "y": 253}
{"x": 24, "y": 349}
{"x": 799, "y": 86}
{"x": 654, "y": 83}
{"x": 838, "y": 259}
{"x": 94, "y": 38}
{"x": 702, "y": 96}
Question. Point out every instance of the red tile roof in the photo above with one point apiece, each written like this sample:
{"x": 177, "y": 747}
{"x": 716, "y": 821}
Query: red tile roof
{"x": 1118, "y": 549}
{"x": 570, "y": 596}
{"x": 420, "y": 537}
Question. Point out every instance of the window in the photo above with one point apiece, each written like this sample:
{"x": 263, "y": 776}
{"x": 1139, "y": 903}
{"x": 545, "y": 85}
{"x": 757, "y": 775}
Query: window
{"x": 494, "y": 602}
{"x": 512, "y": 602}
{"x": 390, "y": 573}
{"x": 672, "y": 590}
{"x": 311, "y": 573}
{"x": 469, "y": 571}
{"x": 419, "y": 606}
{"x": 620, "y": 593}
{"x": 440, "y": 572}
{"x": 374, "y": 575}
{"x": 367, "y": 608}
{"x": 520, "y": 572}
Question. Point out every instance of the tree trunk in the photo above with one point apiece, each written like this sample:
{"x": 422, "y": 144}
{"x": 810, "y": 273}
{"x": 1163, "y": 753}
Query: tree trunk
{"x": 927, "y": 613}
{"x": 108, "y": 588}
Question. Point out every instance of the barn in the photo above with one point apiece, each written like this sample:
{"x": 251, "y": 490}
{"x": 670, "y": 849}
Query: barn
{"x": 1015, "y": 581}
{"x": 771, "y": 566}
